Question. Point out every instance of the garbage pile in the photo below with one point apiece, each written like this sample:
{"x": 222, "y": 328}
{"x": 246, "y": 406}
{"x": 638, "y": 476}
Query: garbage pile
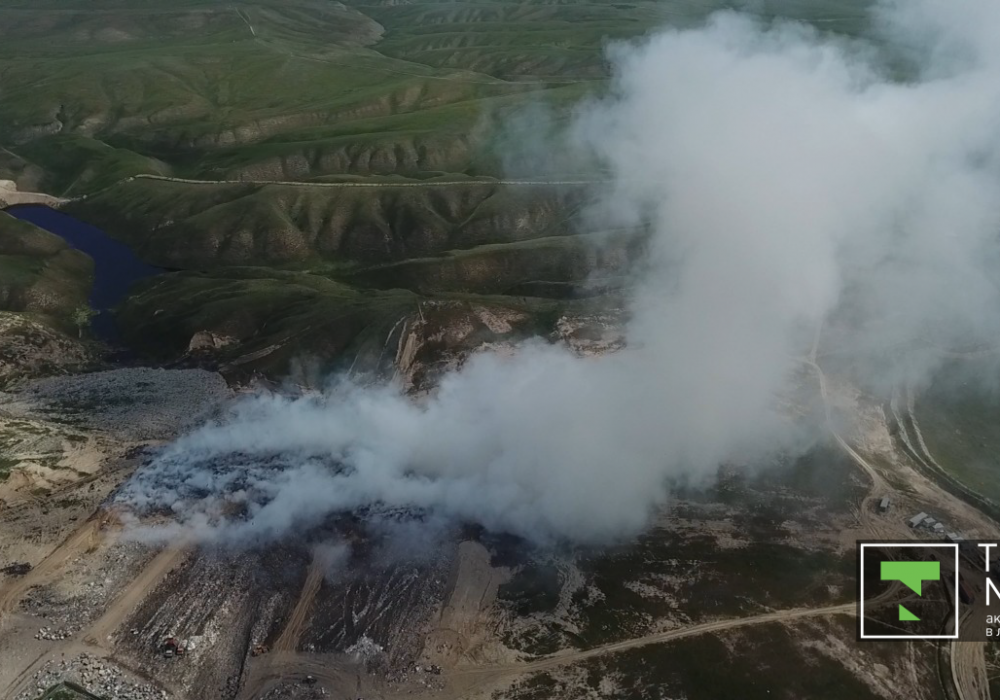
{"x": 96, "y": 676}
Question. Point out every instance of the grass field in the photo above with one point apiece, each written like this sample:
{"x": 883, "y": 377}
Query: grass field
{"x": 959, "y": 418}
{"x": 296, "y": 89}
{"x": 98, "y": 91}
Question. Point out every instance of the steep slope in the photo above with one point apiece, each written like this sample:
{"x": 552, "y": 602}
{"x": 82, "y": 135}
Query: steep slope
{"x": 39, "y": 272}
{"x": 184, "y": 225}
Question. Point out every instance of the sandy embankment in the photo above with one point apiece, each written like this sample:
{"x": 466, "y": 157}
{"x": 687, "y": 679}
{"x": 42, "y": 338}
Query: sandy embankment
{"x": 10, "y": 196}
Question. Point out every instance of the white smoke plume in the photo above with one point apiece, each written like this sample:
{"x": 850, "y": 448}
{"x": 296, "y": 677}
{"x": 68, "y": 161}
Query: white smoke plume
{"x": 787, "y": 181}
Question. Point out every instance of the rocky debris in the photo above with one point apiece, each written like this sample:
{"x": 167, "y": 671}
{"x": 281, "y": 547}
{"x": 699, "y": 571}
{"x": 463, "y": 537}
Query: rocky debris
{"x": 29, "y": 348}
{"x": 99, "y": 581}
{"x": 137, "y": 403}
{"x": 298, "y": 691}
{"x": 594, "y": 334}
{"x": 426, "y": 675}
{"x": 97, "y": 676}
{"x": 207, "y": 341}
{"x": 56, "y": 635}
{"x": 365, "y": 648}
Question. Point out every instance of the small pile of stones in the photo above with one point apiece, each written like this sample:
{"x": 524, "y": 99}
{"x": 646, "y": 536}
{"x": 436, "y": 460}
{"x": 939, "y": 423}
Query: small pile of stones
{"x": 55, "y": 635}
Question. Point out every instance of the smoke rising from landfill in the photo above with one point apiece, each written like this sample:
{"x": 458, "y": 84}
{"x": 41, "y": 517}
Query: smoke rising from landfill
{"x": 787, "y": 181}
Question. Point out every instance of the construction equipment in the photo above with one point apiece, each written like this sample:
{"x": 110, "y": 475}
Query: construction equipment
{"x": 173, "y": 647}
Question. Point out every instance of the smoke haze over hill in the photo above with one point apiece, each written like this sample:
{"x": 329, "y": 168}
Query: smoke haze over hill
{"x": 786, "y": 180}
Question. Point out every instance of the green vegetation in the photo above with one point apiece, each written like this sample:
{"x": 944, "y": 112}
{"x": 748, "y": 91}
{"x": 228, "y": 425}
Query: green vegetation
{"x": 68, "y": 691}
{"x": 97, "y": 92}
{"x": 39, "y": 272}
{"x": 42, "y": 282}
{"x": 959, "y": 419}
{"x": 7, "y": 465}
{"x": 299, "y": 89}
{"x": 258, "y": 308}
{"x": 266, "y": 319}
{"x": 200, "y": 226}
{"x": 81, "y": 317}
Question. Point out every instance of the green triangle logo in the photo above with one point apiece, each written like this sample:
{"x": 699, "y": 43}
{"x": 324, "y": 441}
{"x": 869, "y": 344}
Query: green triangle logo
{"x": 906, "y": 616}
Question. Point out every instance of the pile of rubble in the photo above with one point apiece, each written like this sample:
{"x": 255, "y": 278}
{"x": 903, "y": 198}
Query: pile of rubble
{"x": 95, "y": 675}
{"x": 365, "y": 648}
{"x": 55, "y": 635}
{"x": 97, "y": 586}
{"x": 137, "y": 403}
{"x": 62, "y": 614}
{"x": 297, "y": 691}
{"x": 426, "y": 675}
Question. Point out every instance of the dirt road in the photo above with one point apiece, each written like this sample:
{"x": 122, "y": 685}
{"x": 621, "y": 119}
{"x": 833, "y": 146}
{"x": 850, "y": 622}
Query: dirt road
{"x": 95, "y": 638}
{"x": 80, "y": 542}
{"x": 336, "y": 674}
{"x": 289, "y": 639}
{"x": 968, "y": 659}
{"x": 149, "y": 578}
{"x": 11, "y": 196}
{"x": 968, "y": 670}
{"x": 562, "y": 659}
{"x": 563, "y": 182}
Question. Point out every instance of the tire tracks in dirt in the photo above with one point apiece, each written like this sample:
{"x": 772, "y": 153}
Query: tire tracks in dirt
{"x": 288, "y": 641}
{"x": 148, "y": 579}
{"x": 563, "y": 659}
{"x": 94, "y": 638}
{"x": 77, "y": 543}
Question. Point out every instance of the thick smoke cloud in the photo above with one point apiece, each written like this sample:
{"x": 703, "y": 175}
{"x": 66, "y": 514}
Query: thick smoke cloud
{"x": 787, "y": 184}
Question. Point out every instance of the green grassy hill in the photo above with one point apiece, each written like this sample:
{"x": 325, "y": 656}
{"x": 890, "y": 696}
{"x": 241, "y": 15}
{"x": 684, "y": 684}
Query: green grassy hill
{"x": 39, "y": 272}
{"x": 409, "y": 99}
{"x": 42, "y": 280}
{"x": 181, "y": 225}
{"x": 95, "y": 90}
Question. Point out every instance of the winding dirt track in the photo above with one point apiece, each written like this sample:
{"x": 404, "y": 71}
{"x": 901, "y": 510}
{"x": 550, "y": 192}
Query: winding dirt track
{"x": 968, "y": 659}
{"x": 567, "y": 182}
{"x": 467, "y": 680}
{"x": 879, "y": 486}
{"x": 661, "y": 637}
{"x": 968, "y": 668}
